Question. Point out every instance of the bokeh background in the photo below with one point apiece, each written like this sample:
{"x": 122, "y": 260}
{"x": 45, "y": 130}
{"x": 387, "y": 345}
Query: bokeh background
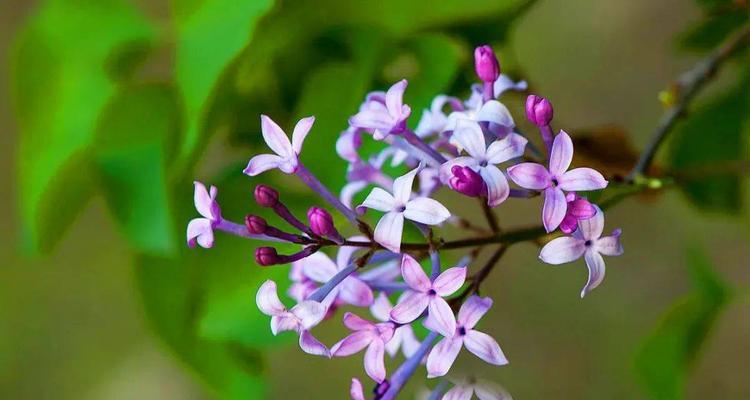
{"x": 109, "y": 109}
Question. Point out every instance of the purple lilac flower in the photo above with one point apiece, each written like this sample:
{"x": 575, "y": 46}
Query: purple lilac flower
{"x": 403, "y": 336}
{"x": 319, "y": 268}
{"x": 442, "y": 356}
{"x": 398, "y": 206}
{"x": 486, "y": 64}
{"x": 383, "y": 115}
{"x": 587, "y": 241}
{"x": 355, "y": 391}
{"x": 433, "y": 119}
{"x": 200, "y": 230}
{"x": 428, "y": 295}
{"x": 578, "y": 209}
{"x": 538, "y": 110}
{"x": 483, "y": 159}
{"x": 484, "y": 390}
{"x": 301, "y": 318}
{"x": 370, "y": 335}
{"x": 557, "y": 179}
{"x": 286, "y": 157}
{"x": 301, "y": 286}
{"x": 502, "y": 85}
{"x": 494, "y": 113}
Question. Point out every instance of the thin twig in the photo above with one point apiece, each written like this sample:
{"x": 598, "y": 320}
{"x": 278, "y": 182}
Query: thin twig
{"x": 479, "y": 277}
{"x": 687, "y": 87}
{"x": 489, "y": 216}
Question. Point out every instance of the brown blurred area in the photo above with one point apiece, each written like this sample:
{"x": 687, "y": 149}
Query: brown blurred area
{"x": 71, "y": 326}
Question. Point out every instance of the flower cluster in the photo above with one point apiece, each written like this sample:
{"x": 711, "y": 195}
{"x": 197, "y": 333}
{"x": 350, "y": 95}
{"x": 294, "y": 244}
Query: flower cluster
{"x": 471, "y": 147}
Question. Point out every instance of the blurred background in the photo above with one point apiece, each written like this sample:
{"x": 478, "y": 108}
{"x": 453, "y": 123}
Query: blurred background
{"x": 109, "y": 109}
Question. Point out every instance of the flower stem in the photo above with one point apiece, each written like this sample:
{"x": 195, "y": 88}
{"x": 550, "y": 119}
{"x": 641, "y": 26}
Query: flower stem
{"x": 417, "y": 142}
{"x": 310, "y": 180}
{"x": 406, "y": 370}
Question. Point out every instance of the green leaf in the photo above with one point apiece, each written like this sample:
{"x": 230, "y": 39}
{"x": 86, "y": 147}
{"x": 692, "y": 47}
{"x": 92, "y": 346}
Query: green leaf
{"x": 210, "y": 34}
{"x": 136, "y": 136}
{"x": 60, "y": 85}
{"x": 713, "y": 135}
{"x": 713, "y": 30}
{"x": 667, "y": 355}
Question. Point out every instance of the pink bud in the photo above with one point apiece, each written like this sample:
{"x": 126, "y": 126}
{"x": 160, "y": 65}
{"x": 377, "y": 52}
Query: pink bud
{"x": 486, "y": 64}
{"x": 466, "y": 181}
{"x": 538, "y": 110}
{"x": 266, "y": 256}
{"x": 255, "y": 224}
{"x": 266, "y": 196}
{"x": 321, "y": 222}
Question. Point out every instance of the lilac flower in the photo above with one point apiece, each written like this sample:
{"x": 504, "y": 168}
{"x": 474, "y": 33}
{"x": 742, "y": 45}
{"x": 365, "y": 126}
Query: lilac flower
{"x": 200, "y": 230}
{"x": 434, "y": 120}
{"x": 482, "y": 159}
{"x": 301, "y": 318}
{"x": 578, "y": 209}
{"x": 355, "y": 391}
{"x": 399, "y": 206}
{"x": 486, "y": 64}
{"x": 499, "y": 120}
{"x": 428, "y": 295}
{"x": 502, "y": 85}
{"x": 403, "y": 336}
{"x": 383, "y": 115}
{"x": 319, "y": 268}
{"x": 557, "y": 179}
{"x": 484, "y": 390}
{"x": 538, "y": 110}
{"x": 588, "y": 242}
{"x": 286, "y": 157}
{"x": 443, "y": 355}
{"x": 301, "y": 286}
{"x": 370, "y": 335}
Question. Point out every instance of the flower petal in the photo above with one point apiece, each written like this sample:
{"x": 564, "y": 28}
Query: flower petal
{"x": 203, "y": 201}
{"x": 488, "y": 391}
{"x": 592, "y": 228}
{"x": 580, "y": 208}
{"x": 394, "y": 97}
{"x": 318, "y": 267}
{"x": 409, "y": 342}
{"x": 356, "y": 323}
{"x": 381, "y": 307}
{"x": 410, "y": 307}
{"x": 472, "y": 311}
{"x": 609, "y": 245}
{"x": 374, "y": 361}
{"x": 262, "y": 163}
{"x": 355, "y": 292}
{"x": 275, "y": 137}
{"x": 402, "y": 186}
{"x": 554, "y": 208}
{"x": 582, "y": 179}
{"x": 449, "y": 281}
{"x": 284, "y": 322}
{"x": 380, "y": 200}
{"x": 497, "y": 186}
{"x": 595, "y": 264}
{"x": 300, "y": 132}
{"x": 309, "y": 312}
{"x": 426, "y": 211}
{"x": 442, "y": 356}
{"x": 350, "y": 190}
{"x": 469, "y": 136}
{"x": 562, "y": 250}
{"x": 484, "y": 347}
{"x": 414, "y": 275}
{"x": 495, "y": 112}
{"x": 267, "y": 299}
{"x": 348, "y": 143}
{"x": 199, "y": 229}
{"x": 355, "y": 391}
{"x": 353, "y": 343}
{"x": 388, "y": 231}
{"x": 310, "y": 345}
{"x": 561, "y": 154}
{"x": 445, "y": 169}
{"x": 508, "y": 148}
{"x": 458, "y": 393}
{"x": 441, "y": 317}
{"x": 529, "y": 175}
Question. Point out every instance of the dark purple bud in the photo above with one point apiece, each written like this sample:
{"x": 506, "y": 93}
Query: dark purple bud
{"x": 466, "y": 181}
{"x": 538, "y": 110}
{"x": 255, "y": 224}
{"x": 266, "y": 256}
{"x": 321, "y": 222}
{"x": 486, "y": 64}
{"x": 266, "y": 196}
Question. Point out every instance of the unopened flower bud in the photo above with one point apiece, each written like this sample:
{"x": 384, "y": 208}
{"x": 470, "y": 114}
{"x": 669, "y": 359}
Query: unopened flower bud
{"x": 266, "y": 196}
{"x": 486, "y": 64}
{"x": 255, "y": 224}
{"x": 538, "y": 110}
{"x": 266, "y": 256}
{"x": 466, "y": 181}
{"x": 321, "y": 222}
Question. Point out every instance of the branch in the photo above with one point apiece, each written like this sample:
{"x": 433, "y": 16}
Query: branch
{"x": 687, "y": 86}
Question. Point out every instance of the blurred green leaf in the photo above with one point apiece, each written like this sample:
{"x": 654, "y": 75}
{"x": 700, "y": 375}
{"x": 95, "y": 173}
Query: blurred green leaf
{"x": 713, "y": 134}
{"x": 210, "y": 34}
{"x": 60, "y": 85}
{"x": 136, "y": 137}
{"x": 714, "y": 29}
{"x": 667, "y": 355}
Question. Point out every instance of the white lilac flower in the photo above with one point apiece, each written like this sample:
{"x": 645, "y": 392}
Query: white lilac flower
{"x": 286, "y": 152}
{"x": 200, "y": 230}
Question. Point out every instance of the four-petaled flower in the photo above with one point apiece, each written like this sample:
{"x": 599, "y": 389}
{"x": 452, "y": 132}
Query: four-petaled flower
{"x": 321, "y": 269}
{"x": 442, "y": 356}
{"x": 200, "y": 230}
{"x": 366, "y": 334}
{"x": 428, "y": 295}
{"x": 557, "y": 179}
{"x": 587, "y": 241}
{"x": 482, "y": 159}
{"x": 383, "y": 114}
{"x": 301, "y": 318}
{"x": 403, "y": 336}
{"x": 399, "y": 206}
{"x": 287, "y": 153}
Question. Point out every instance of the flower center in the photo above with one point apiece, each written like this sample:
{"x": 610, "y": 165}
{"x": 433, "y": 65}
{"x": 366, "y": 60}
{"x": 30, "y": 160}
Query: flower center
{"x": 431, "y": 292}
{"x": 400, "y": 209}
{"x": 588, "y": 243}
{"x": 483, "y": 163}
{"x": 555, "y": 182}
{"x": 461, "y": 331}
